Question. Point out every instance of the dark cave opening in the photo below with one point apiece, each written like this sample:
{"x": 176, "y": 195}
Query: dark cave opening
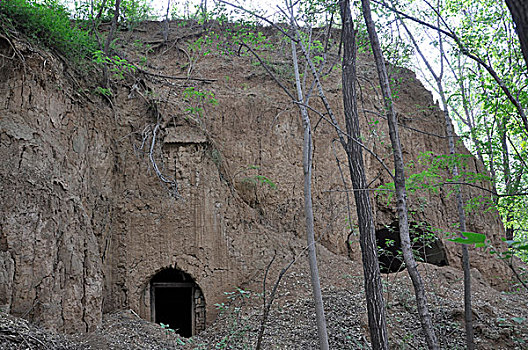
{"x": 426, "y": 247}
{"x": 177, "y": 301}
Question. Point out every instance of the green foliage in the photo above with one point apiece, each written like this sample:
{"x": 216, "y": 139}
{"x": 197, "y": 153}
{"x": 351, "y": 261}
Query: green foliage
{"x": 260, "y": 179}
{"x": 435, "y": 174}
{"x": 118, "y": 66}
{"x": 395, "y": 48}
{"x": 48, "y": 22}
{"x": 237, "y": 28}
{"x": 255, "y": 179}
{"x": 103, "y": 91}
{"x": 318, "y": 12}
{"x": 487, "y": 120}
{"x": 232, "y": 311}
{"x": 516, "y": 247}
{"x": 471, "y": 238}
{"x": 243, "y": 33}
{"x": 193, "y": 93}
{"x": 317, "y": 48}
{"x": 186, "y": 12}
{"x": 201, "y": 46}
{"x": 169, "y": 330}
{"x": 513, "y": 324}
{"x": 197, "y": 100}
{"x": 422, "y": 236}
{"x": 386, "y": 192}
{"x": 131, "y": 11}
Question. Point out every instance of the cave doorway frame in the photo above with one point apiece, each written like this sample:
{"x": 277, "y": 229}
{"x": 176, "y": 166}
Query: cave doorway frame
{"x": 179, "y": 284}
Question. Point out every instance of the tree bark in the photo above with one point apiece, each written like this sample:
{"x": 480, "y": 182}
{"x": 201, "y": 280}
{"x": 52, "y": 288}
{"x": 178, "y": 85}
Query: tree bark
{"x": 507, "y": 173}
{"x": 450, "y": 132}
{"x": 113, "y": 28}
{"x": 399, "y": 183}
{"x": 367, "y": 235}
{"x": 109, "y": 41}
{"x": 519, "y": 12}
{"x": 308, "y": 208}
{"x": 468, "y": 313}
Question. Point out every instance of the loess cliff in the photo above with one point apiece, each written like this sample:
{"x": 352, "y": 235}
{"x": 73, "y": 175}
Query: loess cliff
{"x": 87, "y": 227}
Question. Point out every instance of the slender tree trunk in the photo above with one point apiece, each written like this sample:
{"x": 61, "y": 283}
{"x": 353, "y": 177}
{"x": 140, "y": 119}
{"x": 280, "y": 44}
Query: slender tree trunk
{"x": 308, "y": 209}
{"x": 166, "y": 24}
{"x": 367, "y": 236}
{"x": 399, "y": 182}
{"x": 468, "y": 313}
{"x": 109, "y": 39}
{"x": 450, "y": 132}
{"x": 507, "y": 173}
{"x": 113, "y": 28}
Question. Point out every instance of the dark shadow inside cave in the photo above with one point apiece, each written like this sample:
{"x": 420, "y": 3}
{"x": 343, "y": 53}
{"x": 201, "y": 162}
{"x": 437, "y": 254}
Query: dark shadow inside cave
{"x": 177, "y": 301}
{"x": 426, "y": 246}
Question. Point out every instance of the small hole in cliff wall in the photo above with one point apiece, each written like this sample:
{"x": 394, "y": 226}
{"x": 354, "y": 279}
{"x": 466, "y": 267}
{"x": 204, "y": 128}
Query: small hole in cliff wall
{"x": 426, "y": 247}
{"x": 177, "y": 301}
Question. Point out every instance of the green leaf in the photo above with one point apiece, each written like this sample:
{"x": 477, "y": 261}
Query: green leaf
{"x": 518, "y": 320}
{"x": 478, "y": 239}
{"x": 265, "y": 181}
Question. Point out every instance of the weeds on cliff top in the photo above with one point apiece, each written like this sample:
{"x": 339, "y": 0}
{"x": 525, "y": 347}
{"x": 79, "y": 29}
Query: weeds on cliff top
{"x": 49, "y": 23}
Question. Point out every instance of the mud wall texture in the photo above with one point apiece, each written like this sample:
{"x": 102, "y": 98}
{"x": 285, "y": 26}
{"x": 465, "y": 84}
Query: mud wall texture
{"x": 85, "y": 223}
{"x": 51, "y": 269}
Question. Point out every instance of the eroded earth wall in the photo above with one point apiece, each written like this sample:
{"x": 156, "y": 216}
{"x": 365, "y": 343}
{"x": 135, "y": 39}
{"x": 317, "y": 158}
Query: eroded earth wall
{"x": 85, "y": 223}
{"x": 50, "y": 186}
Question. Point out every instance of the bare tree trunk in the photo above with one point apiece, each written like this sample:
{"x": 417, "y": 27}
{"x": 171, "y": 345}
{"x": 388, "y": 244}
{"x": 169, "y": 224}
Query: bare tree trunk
{"x": 112, "y": 28}
{"x": 470, "y": 336}
{"x": 468, "y": 313}
{"x": 507, "y": 173}
{"x": 399, "y": 182}
{"x": 109, "y": 39}
{"x": 308, "y": 209}
{"x": 367, "y": 235}
{"x": 166, "y": 24}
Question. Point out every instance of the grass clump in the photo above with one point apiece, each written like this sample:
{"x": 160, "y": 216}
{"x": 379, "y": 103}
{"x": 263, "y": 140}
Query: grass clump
{"x": 49, "y": 23}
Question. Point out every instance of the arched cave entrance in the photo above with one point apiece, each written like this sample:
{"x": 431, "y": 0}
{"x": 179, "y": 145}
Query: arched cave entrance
{"x": 176, "y": 300}
{"x": 426, "y": 246}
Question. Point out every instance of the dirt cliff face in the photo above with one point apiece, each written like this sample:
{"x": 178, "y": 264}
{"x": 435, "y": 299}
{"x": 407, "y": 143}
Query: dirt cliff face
{"x": 51, "y": 269}
{"x": 85, "y": 222}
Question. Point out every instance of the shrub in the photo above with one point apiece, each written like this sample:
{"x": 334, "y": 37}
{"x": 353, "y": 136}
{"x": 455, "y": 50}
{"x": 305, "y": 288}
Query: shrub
{"x": 48, "y": 22}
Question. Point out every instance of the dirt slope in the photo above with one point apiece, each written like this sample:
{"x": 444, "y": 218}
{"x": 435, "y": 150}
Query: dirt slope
{"x": 500, "y": 318}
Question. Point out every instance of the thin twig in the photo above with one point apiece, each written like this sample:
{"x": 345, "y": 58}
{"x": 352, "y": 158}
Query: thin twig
{"x": 270, "y": 302}
{"x": 205, "y": 80}
{"x": 371, "y": 152}
{"x": 517, "y": 275}
{"x": 268, "y": 70}
{"x": 406, "y": 126}
{"x": 474, "y": 57}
